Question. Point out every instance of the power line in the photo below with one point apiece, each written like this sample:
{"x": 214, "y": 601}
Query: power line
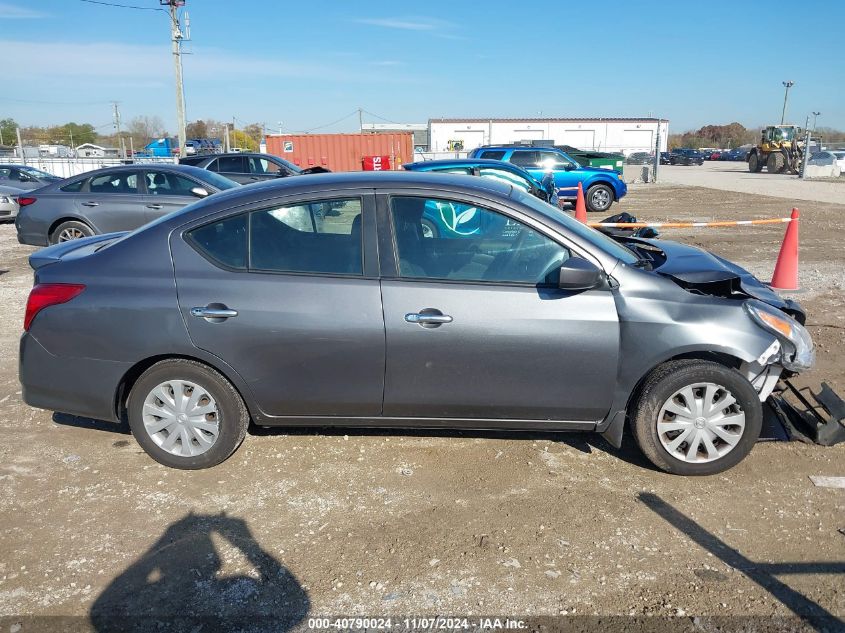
{"x": 320, "y": 127}
{"x": 381, "y": 117}
{"x": 123, "y": 6}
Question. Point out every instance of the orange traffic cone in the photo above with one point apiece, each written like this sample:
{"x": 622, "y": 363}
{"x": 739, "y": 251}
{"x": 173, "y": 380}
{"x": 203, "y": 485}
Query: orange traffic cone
{"x": 580, "y": 206}
{"x": 786, "y": 268}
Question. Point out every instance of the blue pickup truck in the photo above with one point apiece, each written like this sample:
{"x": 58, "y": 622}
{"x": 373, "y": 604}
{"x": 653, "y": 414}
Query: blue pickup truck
{"x": 602, "y": 187}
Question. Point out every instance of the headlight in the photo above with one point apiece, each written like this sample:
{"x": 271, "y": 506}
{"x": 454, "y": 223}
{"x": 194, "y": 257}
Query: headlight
{"x": 797, "y": 342}
{"x": 4, "y": 200}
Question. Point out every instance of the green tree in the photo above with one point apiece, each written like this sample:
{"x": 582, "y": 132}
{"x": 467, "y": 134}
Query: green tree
{"x": 255, "y": 131}
{"x": 8, "y": 129}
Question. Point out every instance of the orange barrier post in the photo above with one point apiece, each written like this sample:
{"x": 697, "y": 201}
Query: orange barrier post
{"x": 580, "y": 206}
{"x": 786, "y": 268}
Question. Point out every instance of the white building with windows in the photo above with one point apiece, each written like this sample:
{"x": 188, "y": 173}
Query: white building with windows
{"x": 624, "y": 135}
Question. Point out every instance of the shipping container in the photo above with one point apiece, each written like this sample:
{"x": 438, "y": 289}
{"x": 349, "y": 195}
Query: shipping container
{"x": 341, "y": 152}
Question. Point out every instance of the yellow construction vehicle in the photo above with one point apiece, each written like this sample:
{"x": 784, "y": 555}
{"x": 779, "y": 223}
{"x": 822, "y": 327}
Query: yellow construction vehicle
{"x": 781, "y": 149}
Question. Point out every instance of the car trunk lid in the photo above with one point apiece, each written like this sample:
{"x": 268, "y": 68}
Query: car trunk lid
{"x": 73, "y": 249}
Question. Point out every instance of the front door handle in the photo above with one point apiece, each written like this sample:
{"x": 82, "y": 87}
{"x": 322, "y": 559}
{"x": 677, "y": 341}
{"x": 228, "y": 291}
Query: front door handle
{"x": 209, "y": 312}
{"x": 90, "y": 204}
{"x": 429, "y": 317}
{"x": 157, "y": 207}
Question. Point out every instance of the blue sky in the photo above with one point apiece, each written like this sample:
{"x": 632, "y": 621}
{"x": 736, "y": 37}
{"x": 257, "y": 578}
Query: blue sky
{"x": 308, "y": 63}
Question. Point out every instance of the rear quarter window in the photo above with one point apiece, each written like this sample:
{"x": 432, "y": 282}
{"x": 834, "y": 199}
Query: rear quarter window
{"x": 75, "y": 186}
{"x": 493, "y": 154}
{"x": 223, "y": 242}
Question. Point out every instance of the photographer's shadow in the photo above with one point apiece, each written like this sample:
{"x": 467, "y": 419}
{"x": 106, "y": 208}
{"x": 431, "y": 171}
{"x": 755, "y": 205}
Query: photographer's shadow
{"x": 176, "y": 585}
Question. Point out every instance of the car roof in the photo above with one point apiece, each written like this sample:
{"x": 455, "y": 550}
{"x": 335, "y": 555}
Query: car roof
{"x": 333, "y": 181}
{"x": 460, "y": 162}
{"x": 196, "y": 172}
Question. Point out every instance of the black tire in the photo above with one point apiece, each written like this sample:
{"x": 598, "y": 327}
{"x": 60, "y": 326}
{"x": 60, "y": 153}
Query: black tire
{"x": 754, "y": 165}
{"x": 669, "y": 378}
{"x": 232, "y": 416}
{"x": 599, "y": 198}
{"x": 70, "y": 230}
{"x": 775, "y": 163}
{"x": 429, "y": 229}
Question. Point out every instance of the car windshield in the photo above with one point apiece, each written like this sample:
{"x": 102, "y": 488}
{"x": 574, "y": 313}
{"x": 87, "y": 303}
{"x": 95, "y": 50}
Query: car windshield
{"x": 219, "y": 182}
{"x": 594, "y": 237}
{"x": 839, "y": 154}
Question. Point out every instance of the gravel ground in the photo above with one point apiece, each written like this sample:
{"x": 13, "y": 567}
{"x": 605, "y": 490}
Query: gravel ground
{"x": 734, "y": 176}
{"x": 350, "y": 522}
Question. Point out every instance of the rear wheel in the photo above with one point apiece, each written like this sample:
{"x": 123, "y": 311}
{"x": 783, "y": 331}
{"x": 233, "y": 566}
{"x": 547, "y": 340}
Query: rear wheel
{"x": 186, "y": 415}
{"x": 70, "y": 230}
{"x": 776, "y": 163}
{"x": 599, "y": 198}
{"x": 696, "y": 417}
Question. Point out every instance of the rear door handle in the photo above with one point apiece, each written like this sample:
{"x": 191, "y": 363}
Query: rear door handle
{"x": 154, "y": 206}
{"x": 425, "y": 318}
{"x": 213, "y": 313}
{"x": 90, "y": 204}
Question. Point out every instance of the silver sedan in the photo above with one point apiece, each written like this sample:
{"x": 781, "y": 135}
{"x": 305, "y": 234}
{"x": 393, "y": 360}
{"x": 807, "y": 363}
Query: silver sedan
{"x": 9, "y": 202}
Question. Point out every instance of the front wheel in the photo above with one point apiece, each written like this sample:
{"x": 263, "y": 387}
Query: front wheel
{"x": 599, "y": 198}
{"x": 696, "y": 417}
{"x": 754, "y": 164}
{"x": 186, "y": 415}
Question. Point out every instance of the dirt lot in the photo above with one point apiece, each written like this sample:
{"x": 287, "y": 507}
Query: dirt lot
{"x": 349, "y": 522}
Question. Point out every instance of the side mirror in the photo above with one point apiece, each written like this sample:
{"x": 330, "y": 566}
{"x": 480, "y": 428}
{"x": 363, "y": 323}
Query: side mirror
{"x": 579, "y": 274}
{"x": 568, "y": 167}
{"x": 200, "y": 192}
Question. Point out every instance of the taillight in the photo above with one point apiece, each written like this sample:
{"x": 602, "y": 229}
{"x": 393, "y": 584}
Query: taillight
{"x": 45, "y": 295}
{"x": 25, "y": 201}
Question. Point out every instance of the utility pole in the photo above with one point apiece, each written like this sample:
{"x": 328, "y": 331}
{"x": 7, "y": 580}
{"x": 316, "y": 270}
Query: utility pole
{"x": 815, "y": 114}
{"x": 787, "y": 85}
{"x": 360, "y": 121}
{"x": 806, "y": 150}
{"x": 657, "y": 152}
{"x": 20, "y": 144}
{"x": 177, "y": 37}
{"x": 226, "y": 143}
{"x": 280, "y": 127}
{"x": 116, "y": 115}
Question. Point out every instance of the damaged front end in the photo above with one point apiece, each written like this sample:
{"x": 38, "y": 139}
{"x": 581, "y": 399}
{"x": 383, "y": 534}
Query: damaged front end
{"x": 703, "y": 273}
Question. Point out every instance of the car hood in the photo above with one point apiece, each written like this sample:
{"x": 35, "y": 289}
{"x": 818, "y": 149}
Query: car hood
{"x": 702, "y": 272}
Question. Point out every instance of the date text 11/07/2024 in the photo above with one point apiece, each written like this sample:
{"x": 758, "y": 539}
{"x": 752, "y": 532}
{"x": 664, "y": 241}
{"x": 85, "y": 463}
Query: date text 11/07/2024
{"x": 439, "y": 623}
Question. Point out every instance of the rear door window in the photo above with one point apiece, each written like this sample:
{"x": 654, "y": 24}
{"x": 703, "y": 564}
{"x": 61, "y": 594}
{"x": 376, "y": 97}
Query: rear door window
{"x": 231, "y": 164}
{"x": 493, "y": 154}
{"x": 527, "y": 159}
{"x": 122, "y": 182}
{"x": 313, "y": 237}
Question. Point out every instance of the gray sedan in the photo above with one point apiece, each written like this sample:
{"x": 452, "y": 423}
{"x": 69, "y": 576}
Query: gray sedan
{"x": 254, "y": 304}
{"x": 111, "y": 199}
{"x": 25, "y": 177}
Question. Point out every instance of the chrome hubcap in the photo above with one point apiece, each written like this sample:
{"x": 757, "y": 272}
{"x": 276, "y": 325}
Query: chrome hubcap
{"x": 600, "y": 199}
{"x": 182, "y": 418}
{"x": 70, "y": 234}
{"x": 700, "y": 423}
